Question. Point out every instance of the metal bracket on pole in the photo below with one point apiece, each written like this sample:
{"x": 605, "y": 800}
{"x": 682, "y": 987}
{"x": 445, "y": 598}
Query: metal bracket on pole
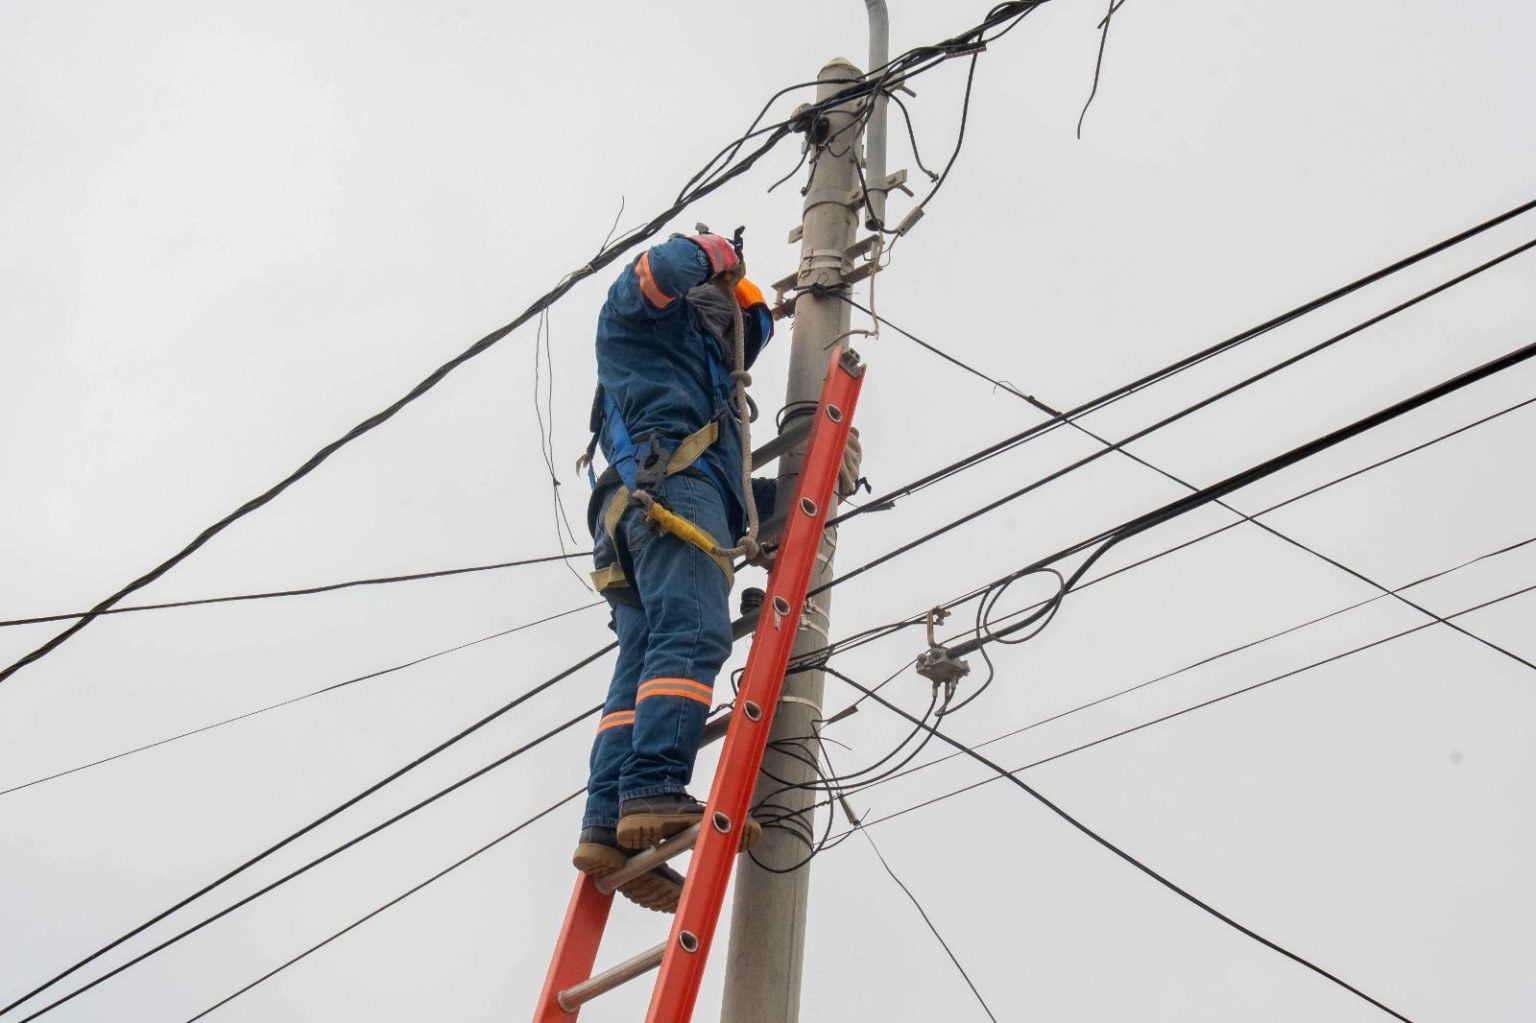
{"x": 844, "y": 264}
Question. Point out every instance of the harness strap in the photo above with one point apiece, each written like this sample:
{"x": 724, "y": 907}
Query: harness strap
{"x": 609, "y": 578}
{"x": 664, "y": 520}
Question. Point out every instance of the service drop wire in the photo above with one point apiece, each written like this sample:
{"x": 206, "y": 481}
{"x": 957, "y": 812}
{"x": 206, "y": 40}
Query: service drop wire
{"x": 1199, "y": 663}
{"x": 607, "y": 255}
{"x": 984, "y": 615}
{"x": 1177, "y": 889}
{"x": 306, "y": 829}
{"x": 1206, "y": 495}
{"x": 1194, "y": 500}
{"x": 1212, "y": 701}
{"x": 390, "y": 904}
{"x": 591, "y": 712}
{"x": 1116, "y": 394}
{"x": 1141, "y": 524}
{"x": 1059, "y": 421}
{"x": 710, "y": 183}
{"x": 377, "y": 673}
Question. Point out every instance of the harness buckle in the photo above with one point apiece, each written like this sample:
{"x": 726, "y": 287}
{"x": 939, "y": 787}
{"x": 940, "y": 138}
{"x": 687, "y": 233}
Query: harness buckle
{"x": 651, "y": 468}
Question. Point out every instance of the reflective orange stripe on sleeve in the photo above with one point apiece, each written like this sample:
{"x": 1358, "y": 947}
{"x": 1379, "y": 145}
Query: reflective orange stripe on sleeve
{"x": 618, "y": 719}
{"x": 686, "y": 688}
{"x": 648, "y": 288}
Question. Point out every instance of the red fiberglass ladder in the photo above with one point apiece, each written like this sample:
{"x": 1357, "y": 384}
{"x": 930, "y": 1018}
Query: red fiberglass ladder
{"x": 570, "y": 982}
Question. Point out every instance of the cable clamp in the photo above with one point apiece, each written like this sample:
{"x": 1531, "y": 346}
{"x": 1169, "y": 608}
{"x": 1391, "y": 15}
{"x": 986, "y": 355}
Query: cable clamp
{"x": 937, "y": 664}
{"x": 941, "y": 667}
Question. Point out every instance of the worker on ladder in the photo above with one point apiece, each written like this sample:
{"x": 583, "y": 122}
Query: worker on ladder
{"x": 680, "y": 327}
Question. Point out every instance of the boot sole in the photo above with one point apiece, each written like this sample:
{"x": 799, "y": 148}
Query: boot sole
{"x": 651, "y": 891}
{"x": 643, "y": 830}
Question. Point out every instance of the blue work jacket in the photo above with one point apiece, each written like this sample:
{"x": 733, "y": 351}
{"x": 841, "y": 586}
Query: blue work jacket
{"x": 667, "y": 374}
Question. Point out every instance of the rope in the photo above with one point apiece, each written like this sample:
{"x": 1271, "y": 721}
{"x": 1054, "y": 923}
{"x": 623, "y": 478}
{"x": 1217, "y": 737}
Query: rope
{"x": 747, "y": 547}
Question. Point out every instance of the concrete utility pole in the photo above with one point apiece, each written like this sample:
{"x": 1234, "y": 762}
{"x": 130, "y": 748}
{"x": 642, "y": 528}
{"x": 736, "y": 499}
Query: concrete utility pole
{"x": 762, "y": 983}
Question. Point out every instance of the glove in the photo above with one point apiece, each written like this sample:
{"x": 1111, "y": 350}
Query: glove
{"x": 853, "y": 458}
{"x": 722, "y": 257}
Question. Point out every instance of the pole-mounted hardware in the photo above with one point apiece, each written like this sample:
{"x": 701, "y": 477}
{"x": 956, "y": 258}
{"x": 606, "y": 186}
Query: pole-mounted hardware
{"x": 938, "y": 664}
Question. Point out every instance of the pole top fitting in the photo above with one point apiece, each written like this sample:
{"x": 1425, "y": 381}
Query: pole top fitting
{"x": 839, "y": 69}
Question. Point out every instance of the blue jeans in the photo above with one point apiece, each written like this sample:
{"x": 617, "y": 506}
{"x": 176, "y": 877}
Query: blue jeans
{"x": 671, "y": 648}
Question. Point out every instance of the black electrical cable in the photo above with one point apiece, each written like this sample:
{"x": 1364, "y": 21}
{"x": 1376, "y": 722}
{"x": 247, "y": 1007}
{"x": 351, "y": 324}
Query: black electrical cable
{"x": 1212, "y": 658}
{"x": 312, "y": 825}
{"x": 1206, "y": 495}
{"x": 302, "y": 591}
{"x": 1219, "y": 699}
{"x": 1309, "y": 492}
{"x": 186, "y": 932}
{"x": 931, "y": 927}
{"x": 1184, "y": 412}
{"x": 896, "y": 775}
{"x": 1322, "y": 443}
{"x": 1120, "y": 392}
{"x": 885, "y": 500}
{"x": 870, "y": 635}
{"x": 689, "y": 195}
{"x": 984, "y": 612}
{"x": 1098, "y": 65}
{"x": 368, "y": 427}
{"x": 607, "y": 255}
{"x": 298, "y": 699}
{"x": 1177, "y": 889}
{"x": 389, "y": 905}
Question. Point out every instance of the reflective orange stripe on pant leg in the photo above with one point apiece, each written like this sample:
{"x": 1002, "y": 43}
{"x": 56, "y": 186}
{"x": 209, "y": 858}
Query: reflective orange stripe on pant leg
{"x": 684, "y": 687}
{"x": 618, "y": 719}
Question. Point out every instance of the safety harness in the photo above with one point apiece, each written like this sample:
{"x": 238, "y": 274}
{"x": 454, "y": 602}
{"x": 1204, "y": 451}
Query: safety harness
{"x": 642, "y": 467}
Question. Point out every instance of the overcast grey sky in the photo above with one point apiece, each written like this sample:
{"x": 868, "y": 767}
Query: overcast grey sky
{"x": 227, "y": 233}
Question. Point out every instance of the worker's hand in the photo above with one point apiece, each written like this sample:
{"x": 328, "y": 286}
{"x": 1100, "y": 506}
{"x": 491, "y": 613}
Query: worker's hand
{"x": 724, "y": 263}
{"x": 853, "y": 458}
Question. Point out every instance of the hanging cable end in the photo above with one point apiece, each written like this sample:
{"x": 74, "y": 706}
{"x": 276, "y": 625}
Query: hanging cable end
{"x": 854, "y": 819}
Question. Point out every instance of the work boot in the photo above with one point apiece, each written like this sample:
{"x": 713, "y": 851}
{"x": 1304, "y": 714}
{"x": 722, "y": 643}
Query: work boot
{"x": 598, "y": 853}
{"x": 650, "y": 820}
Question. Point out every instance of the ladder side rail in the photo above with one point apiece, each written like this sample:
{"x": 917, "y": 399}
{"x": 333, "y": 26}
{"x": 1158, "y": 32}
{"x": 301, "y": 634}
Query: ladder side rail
{"x": 682, "y": 967}
{"x": 586, "y": 918}
{"x": 576, "y": 949}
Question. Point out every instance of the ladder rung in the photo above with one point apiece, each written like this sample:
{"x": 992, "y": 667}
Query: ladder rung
{"x": 647, "y": 861}
{"x": 574, "y": 997}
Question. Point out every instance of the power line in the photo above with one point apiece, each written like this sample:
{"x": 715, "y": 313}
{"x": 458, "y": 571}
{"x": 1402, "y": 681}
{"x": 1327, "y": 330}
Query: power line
{"x": 1124, "y": 390}
{"x": 928, "y": 920}
{"x": 1266, "y": 527}
{"x": 1137, "y": 525}
{"x": 312, "y": 825}
{"x": 1211, "y": 658}
{"x": 1108, "y": 538}
{"x": 186, "y": 932}
{"x": 389, "y": 905}
{"x": 298, "y": 699}
{"x": 1180, "y": 414}
{"x": 1178, "y": 890}
{"x": 303, "y": 591}
{"x": 1219, "y": 699}
{"x": 879, "y": 632}
{"x": 1111, "y": 537}
{"x": 703, "y": 183}
{"x": 917, "y": 61}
